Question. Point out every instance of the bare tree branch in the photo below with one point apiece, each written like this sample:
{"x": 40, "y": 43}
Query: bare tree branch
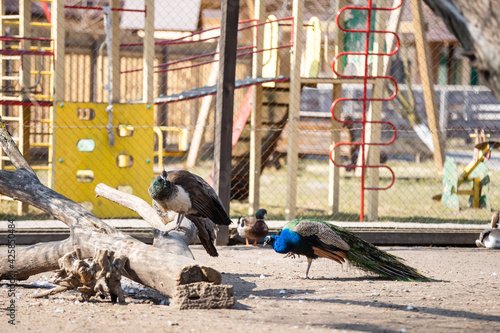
{"x": 10, "y": 148}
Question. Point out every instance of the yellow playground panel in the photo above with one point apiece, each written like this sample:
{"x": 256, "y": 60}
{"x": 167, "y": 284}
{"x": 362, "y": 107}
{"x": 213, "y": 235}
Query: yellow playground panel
{"x": 83, "y": 157}
{"x": 182, "y": 145}
{"x": 312, "y": 53}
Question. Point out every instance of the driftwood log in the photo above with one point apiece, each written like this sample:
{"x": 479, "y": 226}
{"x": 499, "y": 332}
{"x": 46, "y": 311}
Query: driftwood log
{"x": 100, "y": 276}
{"x": 168, "y": 267}
{"x": 163, "y": 225}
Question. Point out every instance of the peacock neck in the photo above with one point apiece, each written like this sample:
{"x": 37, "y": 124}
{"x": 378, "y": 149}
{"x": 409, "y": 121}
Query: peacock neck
{"x": 168, "y": 191}
{"x": 284, "y": 243}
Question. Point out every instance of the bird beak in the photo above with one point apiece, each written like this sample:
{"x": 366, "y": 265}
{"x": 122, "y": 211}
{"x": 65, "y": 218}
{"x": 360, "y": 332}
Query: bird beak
{"x": 163, "y": 175}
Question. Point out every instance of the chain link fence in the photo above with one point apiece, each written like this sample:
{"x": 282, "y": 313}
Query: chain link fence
{"x": 103, "y": 129}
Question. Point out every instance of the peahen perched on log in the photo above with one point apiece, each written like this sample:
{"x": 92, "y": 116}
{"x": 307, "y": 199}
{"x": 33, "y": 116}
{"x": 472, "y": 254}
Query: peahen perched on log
{"x": 186, "y": 193}
{"x": 315, "y": 238}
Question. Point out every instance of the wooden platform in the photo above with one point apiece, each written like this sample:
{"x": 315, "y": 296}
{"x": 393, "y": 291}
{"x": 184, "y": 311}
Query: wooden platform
{"x": 378, "y": 233}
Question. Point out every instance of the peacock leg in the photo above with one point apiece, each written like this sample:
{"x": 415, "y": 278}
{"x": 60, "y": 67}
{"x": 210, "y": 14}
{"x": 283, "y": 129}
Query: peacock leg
{"x": 179, "y": 220}
{"x": 309, "y": 262}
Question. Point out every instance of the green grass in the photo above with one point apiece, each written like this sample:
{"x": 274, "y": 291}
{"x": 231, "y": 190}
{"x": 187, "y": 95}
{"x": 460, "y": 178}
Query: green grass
{"x": 408, "y": 200}
{"x": 8, "y": 208}
{"x": 8, "y": 211}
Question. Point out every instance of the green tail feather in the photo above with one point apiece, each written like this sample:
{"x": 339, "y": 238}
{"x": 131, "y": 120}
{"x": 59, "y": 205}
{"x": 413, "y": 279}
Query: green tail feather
{"x": 368, "y": 257}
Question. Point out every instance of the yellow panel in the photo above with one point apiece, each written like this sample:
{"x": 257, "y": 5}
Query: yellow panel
{"x": 270, "y": 57}
{"x": 313, "y": 48}
{"x": 102, "y": 159}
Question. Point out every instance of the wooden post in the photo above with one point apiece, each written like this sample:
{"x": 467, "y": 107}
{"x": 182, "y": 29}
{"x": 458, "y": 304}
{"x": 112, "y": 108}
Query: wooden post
{"x": 93, "y": 69}
{"x": 380, "y": 67}
{"x": 427, "y": 84}
{"x": 24, "y": 140}
{"x": 25, "y": 31}
{"x": 58, "y": 76}
{"x": 3, "y": 108}
{"x": 375, "y": 114}
{"x": 199, "y": 128}
{"x": 256, "y": 116}
{"x": 334, "y": 172}
{"x": 390, "y": 40}
{"x": 115, "y": 52}
{"x": 162, "y": 110}
{"x": 148, "y": 53}
{"x": 224, "y": 110}
{"x": 292, "y": 157}
{"x": 464, "y": 71}
{"x": 25, "y": 81}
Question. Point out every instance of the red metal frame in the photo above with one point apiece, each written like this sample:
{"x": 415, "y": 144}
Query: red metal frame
{"x": 366, "y": 53}
{"x": 26, "y": 103}
{"x": 13, "y": 38}
{"x": 11, "y": 52}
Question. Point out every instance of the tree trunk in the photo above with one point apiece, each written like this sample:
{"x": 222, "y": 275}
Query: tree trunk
{"x": 476, "y": 24}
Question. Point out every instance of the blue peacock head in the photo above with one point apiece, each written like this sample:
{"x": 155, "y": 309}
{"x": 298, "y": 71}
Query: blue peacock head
{"x": 269, "y": 240}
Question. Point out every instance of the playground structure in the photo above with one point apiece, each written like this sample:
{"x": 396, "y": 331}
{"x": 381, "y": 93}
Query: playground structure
{"x": 475, "y": 173}
{"x": 272, "y": 90}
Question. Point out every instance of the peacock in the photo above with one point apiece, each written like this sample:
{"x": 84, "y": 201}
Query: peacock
{"x": 186, "y": 193}
{"x": 253, "y": 227}
{"x": 315, "y": 238}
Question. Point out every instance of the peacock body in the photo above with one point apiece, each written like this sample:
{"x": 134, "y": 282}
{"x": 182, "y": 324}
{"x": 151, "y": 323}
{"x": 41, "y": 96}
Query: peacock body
{"x": 315, "y": 238}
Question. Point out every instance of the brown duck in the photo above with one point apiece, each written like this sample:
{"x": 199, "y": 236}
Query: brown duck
{"x": 253, "y": 227}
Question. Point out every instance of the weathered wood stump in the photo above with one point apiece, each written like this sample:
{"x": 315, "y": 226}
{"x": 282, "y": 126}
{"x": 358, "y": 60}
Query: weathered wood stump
{"x": 99, "y": 277}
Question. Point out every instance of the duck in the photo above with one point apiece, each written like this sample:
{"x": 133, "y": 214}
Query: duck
{"x": 490, "y": 238}
{"x": 186, "y": 193}
{"x": 253, "y": 227}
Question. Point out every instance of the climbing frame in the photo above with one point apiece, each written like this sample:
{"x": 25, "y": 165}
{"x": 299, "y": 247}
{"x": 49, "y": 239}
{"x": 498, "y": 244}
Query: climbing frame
{"x": 84, "y": 158}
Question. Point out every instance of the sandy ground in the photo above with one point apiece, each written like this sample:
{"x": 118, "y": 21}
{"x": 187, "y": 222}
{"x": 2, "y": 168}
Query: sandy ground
{"x": 272, "y": 296}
